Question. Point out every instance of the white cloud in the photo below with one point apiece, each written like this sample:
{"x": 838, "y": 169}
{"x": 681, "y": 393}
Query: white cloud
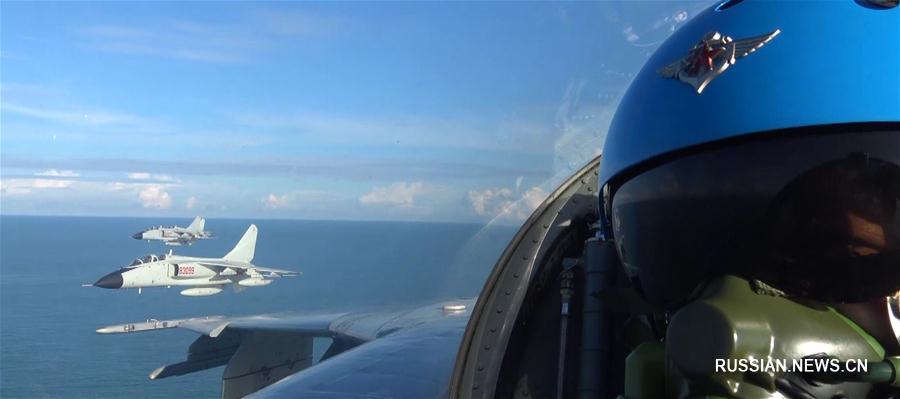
{"x": 154, "y": 196}
{"x": 76, "y": 116}
{"x": 150, "y": 176}
{"x": 118, "y": 186}
{"x": 503, "y": 203}
{"x": 191, "y": 202}
{"x": 276, "y": 201}
{"x": 491, "y": 201}
{"x": 7, "y": 189}
{"x": 58, "y": 173}
{"x": 25, "y": 186}
{"x": 297, "y": 198}
{"x": 177, "y": 39}
{"x": 139, "y": 176}
{"x": 526, "y": 131}
{"x": 150, "y": 194}
{"x": 58, "y": 195}
{"x": 399, "y": 194}
{"x": 533, "y": 197}
{"x": 46, "y": 183}
{"x": 630, "y": 36}
{"x": 258, "y": 33}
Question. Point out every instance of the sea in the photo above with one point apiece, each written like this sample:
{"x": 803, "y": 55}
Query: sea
{"x": 48, "y": 344}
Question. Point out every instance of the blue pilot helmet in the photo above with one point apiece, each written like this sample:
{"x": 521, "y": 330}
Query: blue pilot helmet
{"x": 762, "y": 139}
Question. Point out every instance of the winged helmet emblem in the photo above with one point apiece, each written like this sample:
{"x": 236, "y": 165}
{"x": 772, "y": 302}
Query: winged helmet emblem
{"x": 711, "y": 56}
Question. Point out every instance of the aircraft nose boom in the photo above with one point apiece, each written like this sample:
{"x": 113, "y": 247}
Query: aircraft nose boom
{"x": 113, "y": 281}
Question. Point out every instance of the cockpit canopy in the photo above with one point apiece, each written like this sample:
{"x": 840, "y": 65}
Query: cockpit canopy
{"x": 160, "y": 227}
{"x": 145, "y": 259}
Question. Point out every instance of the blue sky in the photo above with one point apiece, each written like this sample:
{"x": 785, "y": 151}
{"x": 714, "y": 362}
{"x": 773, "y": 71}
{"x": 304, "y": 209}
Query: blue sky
{"x": 369, "y": 111}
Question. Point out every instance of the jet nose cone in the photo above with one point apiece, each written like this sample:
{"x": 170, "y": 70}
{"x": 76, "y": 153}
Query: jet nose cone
{"x": 112, "y": 280}
{"x": 138, "y": 236}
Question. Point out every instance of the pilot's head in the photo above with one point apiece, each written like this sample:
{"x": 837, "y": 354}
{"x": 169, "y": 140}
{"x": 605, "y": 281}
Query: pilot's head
{"x": 762, "y": 139}
{"x": 830, "y": 234}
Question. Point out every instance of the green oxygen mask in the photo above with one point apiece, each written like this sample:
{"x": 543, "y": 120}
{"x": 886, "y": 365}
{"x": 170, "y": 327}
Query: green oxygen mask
{"x": 742, "y": 338}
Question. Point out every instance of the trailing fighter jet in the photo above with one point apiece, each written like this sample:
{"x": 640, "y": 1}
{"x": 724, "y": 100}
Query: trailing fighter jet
{"x": 204, "y": 276}
{"x": 176, "y": 235}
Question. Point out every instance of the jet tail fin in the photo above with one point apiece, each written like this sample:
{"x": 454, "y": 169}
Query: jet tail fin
{"x": 245, "y": 248}
{"x": 197, "y": 225}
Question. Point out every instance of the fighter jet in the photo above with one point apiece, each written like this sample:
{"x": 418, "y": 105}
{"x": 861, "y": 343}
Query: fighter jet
{"x": 176, "y": 235}
{"x": 204, "y": 276}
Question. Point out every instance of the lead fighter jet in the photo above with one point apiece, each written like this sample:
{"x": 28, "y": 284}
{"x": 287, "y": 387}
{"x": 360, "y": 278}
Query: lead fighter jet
{"x": 176, "y": 235}
{"x": 205, "y": 276}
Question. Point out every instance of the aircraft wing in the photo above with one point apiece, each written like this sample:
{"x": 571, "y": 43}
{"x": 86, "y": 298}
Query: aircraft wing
{"x": 410, "y": 351}
{"x": 411, "y": 363}
{"x": 278, "y": 272}
{"x": 184, "y": 240}
{"x": 237, "y": 265}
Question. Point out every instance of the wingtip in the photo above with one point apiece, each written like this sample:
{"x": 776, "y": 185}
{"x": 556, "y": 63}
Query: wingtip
{"x": 218, "y": 330}
{"x": 153, "y": 375}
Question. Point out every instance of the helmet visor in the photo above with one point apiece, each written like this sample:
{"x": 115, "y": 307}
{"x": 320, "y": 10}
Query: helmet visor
{"x": 814, "y": 214}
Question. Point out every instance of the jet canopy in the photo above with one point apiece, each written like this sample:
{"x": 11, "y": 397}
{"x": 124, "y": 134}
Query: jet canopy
{"x": 144, "y": 259}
